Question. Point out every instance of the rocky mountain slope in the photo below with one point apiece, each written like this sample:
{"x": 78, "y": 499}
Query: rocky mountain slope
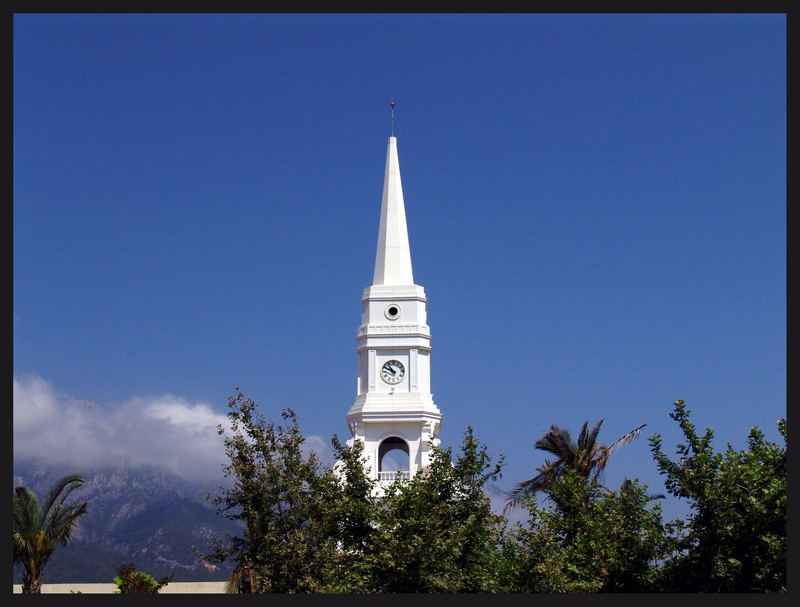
{"x": 141, "y": 515}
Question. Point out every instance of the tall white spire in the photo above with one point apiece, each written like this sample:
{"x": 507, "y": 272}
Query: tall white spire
{"x": 393, "y": 414}
{"x": 393, "y": 258}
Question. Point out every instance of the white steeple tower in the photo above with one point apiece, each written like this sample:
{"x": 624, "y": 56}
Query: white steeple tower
{"x": 393, "y": 259}
{"x": 394, "y": 414}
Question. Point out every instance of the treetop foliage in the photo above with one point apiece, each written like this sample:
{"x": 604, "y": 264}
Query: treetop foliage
{"x": 735, "y": 538}
{"x": 308, "y": 527}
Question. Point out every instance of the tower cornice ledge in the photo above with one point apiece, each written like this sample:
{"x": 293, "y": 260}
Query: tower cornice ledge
{"x": 397, "y": 407}
{"x": 420, "y": 342}
{"x": 390, "y": 292}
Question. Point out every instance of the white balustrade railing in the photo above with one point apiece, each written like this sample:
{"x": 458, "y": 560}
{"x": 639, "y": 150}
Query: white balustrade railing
{"x": 394, "y": 475}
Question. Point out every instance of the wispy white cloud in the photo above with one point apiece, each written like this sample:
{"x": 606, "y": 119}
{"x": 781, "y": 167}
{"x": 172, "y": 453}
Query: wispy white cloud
{"x": 167, "y": 431}
{"x": 164, "y": 430}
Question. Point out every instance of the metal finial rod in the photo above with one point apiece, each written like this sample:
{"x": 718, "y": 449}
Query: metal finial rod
{"x": 392, "y": 106}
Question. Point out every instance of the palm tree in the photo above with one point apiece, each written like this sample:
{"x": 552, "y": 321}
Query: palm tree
{"x": 587, "y": 457}
{"x": 37, "y": 531}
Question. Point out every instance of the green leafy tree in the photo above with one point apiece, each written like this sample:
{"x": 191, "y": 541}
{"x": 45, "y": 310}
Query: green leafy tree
{"x": 586, "y": 538}
{"x": 541, "y": 557}
{"x": 735, "y": 538}
{"x": 586, "y": 456}
{"x": 435, "y": 532}
{"x": 639, "y": 540}
{"x": 350, "y": 515}
{"x": 278, "y": 493}
{"x": 356, "y": 507}
{"x": 307, "y": 528}
{"x": 37, "y": 531}
{"x": 130, "y": 581}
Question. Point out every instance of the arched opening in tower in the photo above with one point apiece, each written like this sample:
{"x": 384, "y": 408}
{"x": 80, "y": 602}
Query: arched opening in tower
{"x": 393, "y": 458}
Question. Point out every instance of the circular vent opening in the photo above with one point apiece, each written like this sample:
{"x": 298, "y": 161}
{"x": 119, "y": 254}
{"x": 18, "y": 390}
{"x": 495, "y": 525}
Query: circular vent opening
{"x": 392, "y": 311}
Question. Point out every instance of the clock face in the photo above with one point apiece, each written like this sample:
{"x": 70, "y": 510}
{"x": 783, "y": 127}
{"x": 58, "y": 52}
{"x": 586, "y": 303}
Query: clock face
{"x": 392, "y": 371}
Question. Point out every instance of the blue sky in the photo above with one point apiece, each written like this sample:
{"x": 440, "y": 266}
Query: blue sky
{"x": 596, "y": 208}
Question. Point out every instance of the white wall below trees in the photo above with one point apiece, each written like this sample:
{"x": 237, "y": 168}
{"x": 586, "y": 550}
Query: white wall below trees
{"x": 171, "y": 588}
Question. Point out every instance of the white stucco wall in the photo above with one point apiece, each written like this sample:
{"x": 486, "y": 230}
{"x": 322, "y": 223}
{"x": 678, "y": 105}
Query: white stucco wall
{"x": 171, "y": 588}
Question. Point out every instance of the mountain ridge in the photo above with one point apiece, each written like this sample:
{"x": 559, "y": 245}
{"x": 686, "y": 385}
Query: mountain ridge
{"x": 144, "y": 515}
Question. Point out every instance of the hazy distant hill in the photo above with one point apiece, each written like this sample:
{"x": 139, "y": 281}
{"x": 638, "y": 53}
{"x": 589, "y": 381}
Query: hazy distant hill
{"x": 140, "y": 515}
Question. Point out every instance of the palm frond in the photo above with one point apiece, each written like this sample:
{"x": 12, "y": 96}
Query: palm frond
{"x": 63, "y": 521}
{"x": 587, "y": 456}
{"x": 591, "y": 439}
{"x": 557, "y": 441}
{"x": 59, "y": 492}
{"x": 517, "y": 494}
{"x": 604, "y": 453}
{"x": 548, "y": 473}
{"x": 624, "y": 440}
{"x": 582, "y": 435}
{"x": 22, "y": 546}
{"x": 59, "y": 520}
{"x": 26, "y": 509}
